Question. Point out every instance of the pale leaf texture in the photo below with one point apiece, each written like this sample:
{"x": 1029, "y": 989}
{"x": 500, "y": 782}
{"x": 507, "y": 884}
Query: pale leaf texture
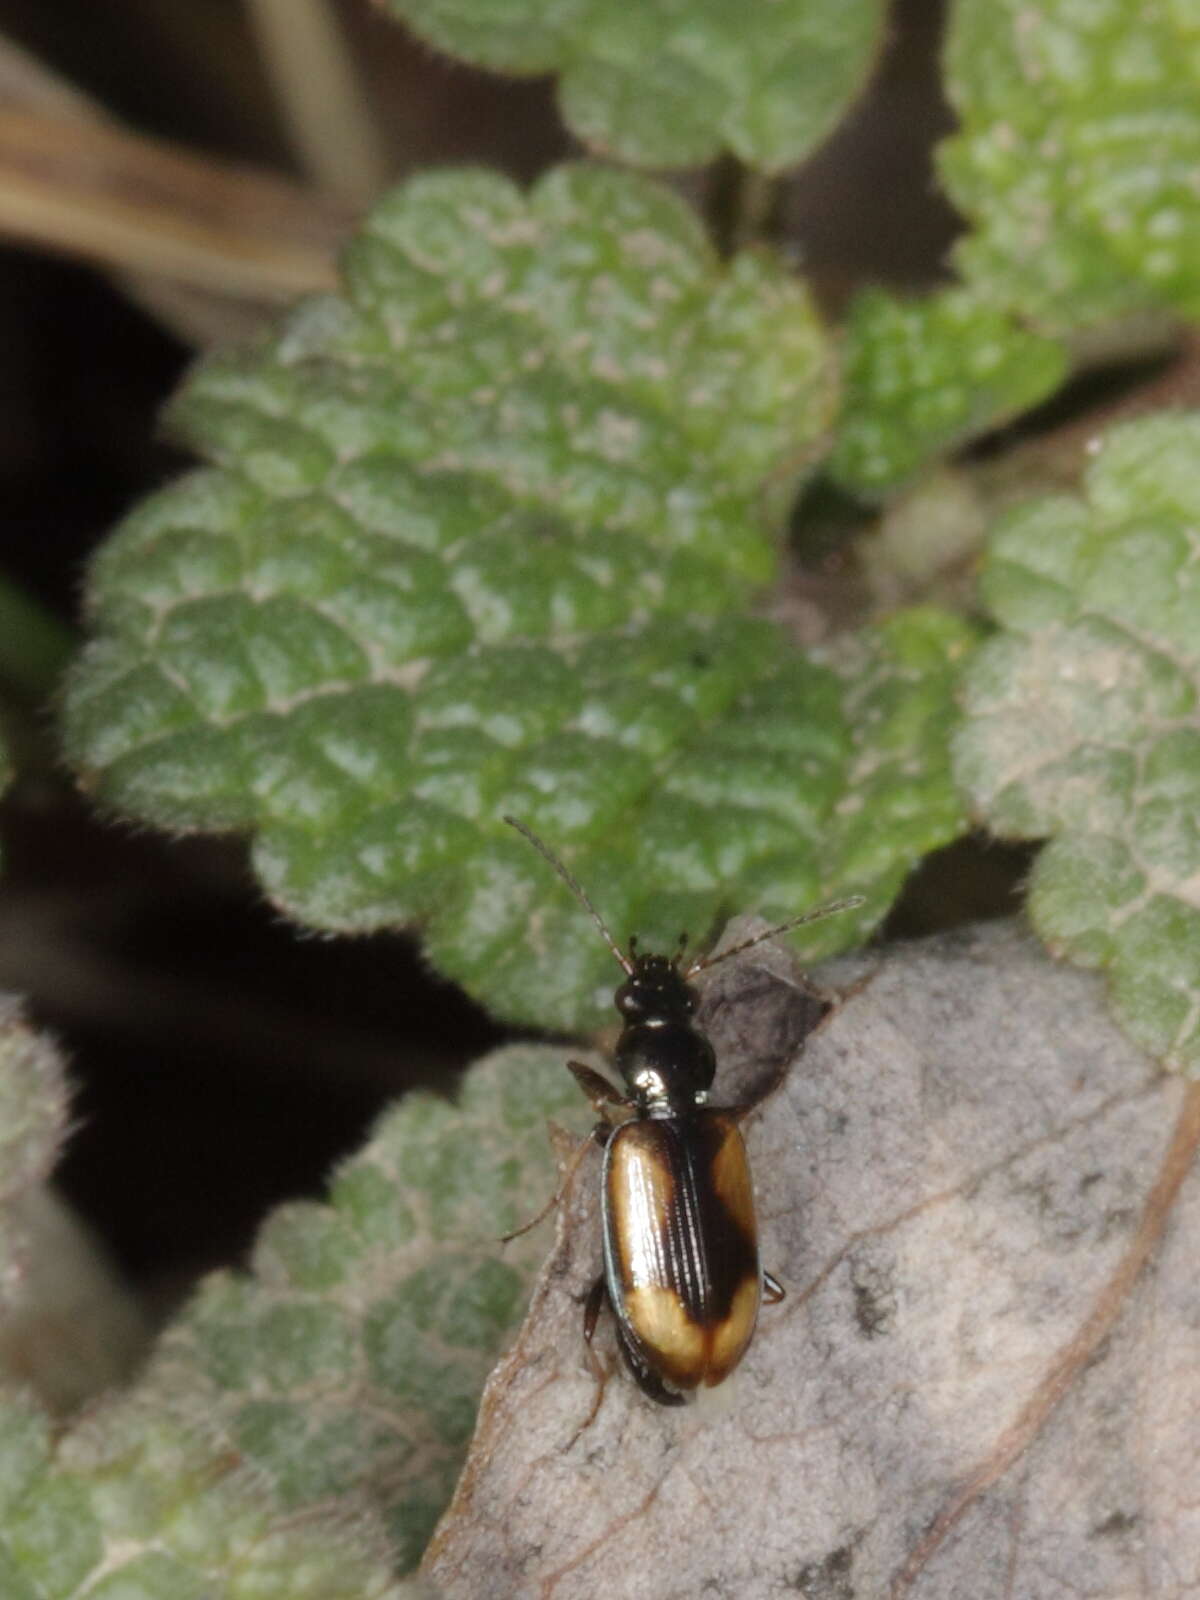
{"x": 482, "y": 539}
{"x": 33, "y": 1120}
{"x": 666, "y": 85}
{"x": 301, "y": 1425}
{"x": 1077, "y": 157}
{"x": 1083, "y": 721}
{"x": 964, "y": 1167}
{"x": 345, "y": 1367}
{"x": 134, "y": 1504}
{"x": 924, "y": 376}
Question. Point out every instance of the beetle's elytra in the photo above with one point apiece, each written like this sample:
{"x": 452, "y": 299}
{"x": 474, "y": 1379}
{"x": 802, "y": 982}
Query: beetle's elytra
{"x": 681, "y": 1264}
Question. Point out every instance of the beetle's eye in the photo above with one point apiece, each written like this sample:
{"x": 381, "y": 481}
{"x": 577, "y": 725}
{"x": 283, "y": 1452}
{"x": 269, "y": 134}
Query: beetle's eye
{"x": 629, "y": 1000}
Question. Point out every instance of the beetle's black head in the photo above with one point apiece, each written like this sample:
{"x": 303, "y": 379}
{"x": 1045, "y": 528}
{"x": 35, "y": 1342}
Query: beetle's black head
{"x": 665, "y": 1060}
{"x": 655, "y": 992}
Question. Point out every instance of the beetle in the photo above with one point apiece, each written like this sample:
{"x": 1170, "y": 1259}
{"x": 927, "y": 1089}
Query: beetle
{"x": 681, "y": 1265}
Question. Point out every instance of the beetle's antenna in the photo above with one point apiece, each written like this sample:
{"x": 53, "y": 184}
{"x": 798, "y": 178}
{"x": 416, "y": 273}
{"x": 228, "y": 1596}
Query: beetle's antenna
{"x": 830, "y": 910}
{"x": 576, "y": 889}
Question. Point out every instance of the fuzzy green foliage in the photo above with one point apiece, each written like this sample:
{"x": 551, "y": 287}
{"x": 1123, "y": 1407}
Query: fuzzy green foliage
{"x": 480, "y": 541}
{"x": 1077, "y": 157}
{"x": 809, "y": 779}
{"x": 924, "y": 376}
{"x": 33, "y": 1115}
{"x": 666, "y": 85}
{"x": 134, "y": 1503}
{"x": 898, "y": 799}
{"x": 140, "y": 1499}
{"x": 1083, "y": 721}
{"x": 302, "y": 1426}
{"x": 347, "y": 1366}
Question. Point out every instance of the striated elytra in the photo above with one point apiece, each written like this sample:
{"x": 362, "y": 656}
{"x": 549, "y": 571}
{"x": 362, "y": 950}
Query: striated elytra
{"x": 681, "y": 1264}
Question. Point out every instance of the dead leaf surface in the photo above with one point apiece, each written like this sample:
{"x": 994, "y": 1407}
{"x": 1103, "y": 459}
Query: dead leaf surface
{"x": 984, "y": 1381}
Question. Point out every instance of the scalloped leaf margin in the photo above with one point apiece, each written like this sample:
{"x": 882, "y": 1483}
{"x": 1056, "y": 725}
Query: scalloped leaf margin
{"x": 1076, "y": 164}
{"x": 131, "y": 1502}
{"x": 1083, "y": 722}
{"x": 34, "y": 1105}
{"x": 302, "y": 1425}
{"x": 661, "y": 85}
{"x": 923, "y": 377}
{"x": 346, "y": 1367}
{"x": 472, "y": 547}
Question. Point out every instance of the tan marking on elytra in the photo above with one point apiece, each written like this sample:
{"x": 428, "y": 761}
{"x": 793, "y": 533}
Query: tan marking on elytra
{"x": 731, "y": 1180}
{"x": 683, "y": 1347}
{"x": 641, "y": 1195}
{"x": 664, "y": 1326}
{"x": 733, "y": 1333}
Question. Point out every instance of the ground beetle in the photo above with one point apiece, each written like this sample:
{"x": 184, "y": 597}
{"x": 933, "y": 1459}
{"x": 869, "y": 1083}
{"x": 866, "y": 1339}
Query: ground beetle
{"x": 681, "y": 1268}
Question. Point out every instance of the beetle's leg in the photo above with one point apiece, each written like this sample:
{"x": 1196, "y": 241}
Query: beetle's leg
{"x": 593, "y": 1305}
{"x": 600, "y": 1093}
{"x": 773, "y": 1290}
{"x": 644, "y": 1376}
{"x": 599, "y": 1135}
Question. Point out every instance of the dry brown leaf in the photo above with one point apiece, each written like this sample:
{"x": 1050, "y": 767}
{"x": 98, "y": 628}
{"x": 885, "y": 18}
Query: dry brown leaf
{"x": 984, "y": 1381}
{"x": 209, "y": 247}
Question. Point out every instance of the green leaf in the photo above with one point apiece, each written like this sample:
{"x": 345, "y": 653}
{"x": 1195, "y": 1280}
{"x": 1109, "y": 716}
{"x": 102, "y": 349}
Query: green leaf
{"x": 69, "y": 1329}
{"x": 922, "y": 377}
{"x": 811, "y": 779}
{"x": 1084, "y": 722}
{"x": 479, "y": 544}
{"x": 669, "y": 85}
{"x": 347, "y": 1366}
{"x": 33, "y": 1121}
{"x": 133, "y": 1504}
{"x": 1077, "y": 157}
{"x": 899, "y": 800}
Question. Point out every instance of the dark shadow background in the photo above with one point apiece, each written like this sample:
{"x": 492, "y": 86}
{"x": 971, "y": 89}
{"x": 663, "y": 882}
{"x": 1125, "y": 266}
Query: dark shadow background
{"x": 223, "y": 1061}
